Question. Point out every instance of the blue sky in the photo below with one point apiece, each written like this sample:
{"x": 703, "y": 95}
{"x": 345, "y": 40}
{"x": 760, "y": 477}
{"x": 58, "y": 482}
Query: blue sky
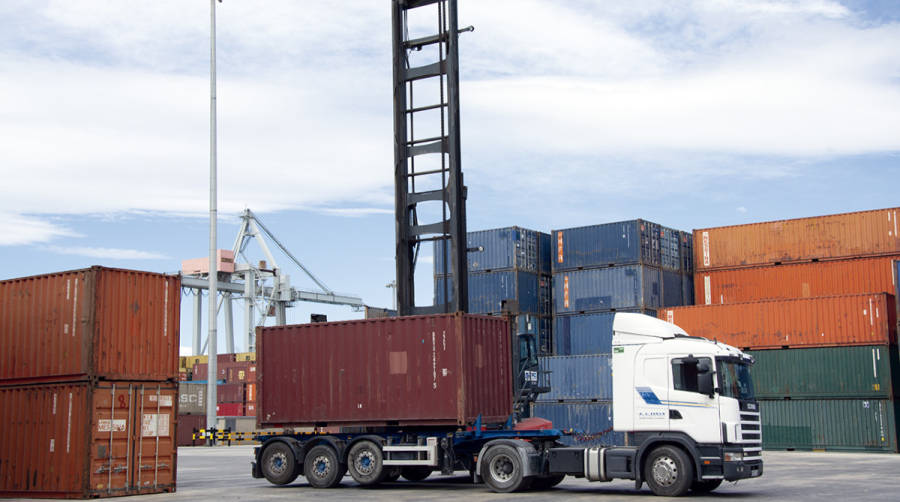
{"x": 692, "y": 114}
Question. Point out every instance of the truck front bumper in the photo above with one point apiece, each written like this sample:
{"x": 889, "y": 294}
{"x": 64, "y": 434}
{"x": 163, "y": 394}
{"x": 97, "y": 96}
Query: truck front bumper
{"x": 743, "y": 469}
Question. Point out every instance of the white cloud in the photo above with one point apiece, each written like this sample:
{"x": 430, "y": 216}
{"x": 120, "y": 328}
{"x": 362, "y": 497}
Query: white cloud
{"x": 108, "y": 253}
{"x": 21, "y": 230}
{"x": 742, "y": 210}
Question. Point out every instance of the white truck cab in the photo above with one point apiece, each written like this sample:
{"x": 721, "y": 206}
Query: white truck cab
{"x": 696, "y": 393}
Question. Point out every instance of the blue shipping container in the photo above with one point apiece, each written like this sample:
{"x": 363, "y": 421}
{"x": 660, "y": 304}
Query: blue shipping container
{"x": 487, "y": 290}
{"x": 599, "y": 289}
{"x": 576, "y": 334}
{"x": 578, "y": 378}
{"x": 591, "y": 421}
{"x": 500, "y": 249}
{"x": 621, "y": 243}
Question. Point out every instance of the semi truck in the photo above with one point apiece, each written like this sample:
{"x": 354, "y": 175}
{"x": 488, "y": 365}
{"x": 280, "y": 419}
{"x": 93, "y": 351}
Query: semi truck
{"x": 686, "y": 405}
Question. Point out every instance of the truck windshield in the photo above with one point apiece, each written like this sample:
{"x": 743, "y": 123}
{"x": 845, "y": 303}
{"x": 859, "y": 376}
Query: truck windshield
{"x": 734, "y": 380}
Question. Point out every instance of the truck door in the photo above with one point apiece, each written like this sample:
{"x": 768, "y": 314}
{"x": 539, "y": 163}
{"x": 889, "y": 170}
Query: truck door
{"x": 651, "y": 385}
{"x": 690, "y": 410}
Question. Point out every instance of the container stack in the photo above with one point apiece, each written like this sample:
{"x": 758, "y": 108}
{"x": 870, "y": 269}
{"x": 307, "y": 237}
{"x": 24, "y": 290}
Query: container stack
{"x": 235, "y": 392}
{"x": 631, "y": 266}
{"x": 814, "y": 301}
{"x": 88, "y": 377}
{"x": 505, "y": 263}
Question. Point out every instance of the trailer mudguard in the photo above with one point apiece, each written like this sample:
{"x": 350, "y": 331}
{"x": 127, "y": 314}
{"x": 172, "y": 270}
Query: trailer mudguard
{"x": 532, "y": 461}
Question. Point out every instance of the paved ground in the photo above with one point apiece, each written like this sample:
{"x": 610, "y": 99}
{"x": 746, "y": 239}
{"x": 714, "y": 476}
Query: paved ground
{"x": 223, "y": 474}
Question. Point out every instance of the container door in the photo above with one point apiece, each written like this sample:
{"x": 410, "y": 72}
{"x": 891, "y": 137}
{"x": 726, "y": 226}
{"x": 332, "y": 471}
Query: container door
{"x": 154, "y": 447}
{"x": 112, "y": 426}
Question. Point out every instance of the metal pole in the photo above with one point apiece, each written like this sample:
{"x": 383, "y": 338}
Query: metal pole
{"x": 211, "y": 399}
{"x": 198, "y": 322}
{"x": 229, "y": 323}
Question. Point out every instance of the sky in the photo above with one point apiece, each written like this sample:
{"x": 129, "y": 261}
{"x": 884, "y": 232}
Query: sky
{"x": 691, "y": 114}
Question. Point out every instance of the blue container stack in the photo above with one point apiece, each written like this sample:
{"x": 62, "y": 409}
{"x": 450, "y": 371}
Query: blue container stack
{"x": 597, "y": 271}
{"x": 505, "y": 263}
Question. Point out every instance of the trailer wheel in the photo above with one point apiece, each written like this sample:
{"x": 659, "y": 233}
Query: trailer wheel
{"x": 365, "y": 463}
{"x": 501, "y": 469}
{"x": 705, "y": 486}
{"x": 668, "y": 471}
{"x": 279, "y": 466}
{"x": 547, "y": 482}
{"x": 415, "y": 473}
{"x": 322, "y": 468}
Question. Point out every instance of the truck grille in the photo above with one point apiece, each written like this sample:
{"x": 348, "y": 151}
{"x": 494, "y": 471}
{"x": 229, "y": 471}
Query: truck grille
{"x": 751, "y": 435}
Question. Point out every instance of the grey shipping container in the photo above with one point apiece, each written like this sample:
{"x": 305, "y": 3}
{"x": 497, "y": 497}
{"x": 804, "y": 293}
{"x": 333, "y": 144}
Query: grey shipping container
{"x": 621, "y": 243}
{"x": 589, "y": 423}
{"x": 829, "y": 424}
{"x": 623, "y": 287}
{"x": 487, "y": 290}
{"x": 575, "y": 334}
{"x": 578, "y": 378}
{"x": 191, "y": 398}
{"x": 826, "y": 372}
{"x": 509, "y": 248}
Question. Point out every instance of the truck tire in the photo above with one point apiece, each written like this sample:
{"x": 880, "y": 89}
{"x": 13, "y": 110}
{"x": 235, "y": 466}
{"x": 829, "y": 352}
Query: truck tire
{"x": 365, "y": 463}
{"x": 322, "y": 467}
{"x": 705, "y": 486}
{"x": 278, "y": 464}
{"x": 501, "y": 470}
{"x": 668, "y": 471}
{"x": 547, "y": 482}
{"x": 415, "y": 473}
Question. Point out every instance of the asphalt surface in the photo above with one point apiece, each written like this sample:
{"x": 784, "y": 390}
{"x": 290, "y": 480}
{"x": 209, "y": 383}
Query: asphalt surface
{"x": 223, "y": 474}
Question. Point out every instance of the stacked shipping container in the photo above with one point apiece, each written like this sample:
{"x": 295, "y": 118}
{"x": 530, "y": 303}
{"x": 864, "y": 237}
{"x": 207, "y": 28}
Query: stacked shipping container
{"x": 87, "y": 383}
{"x": 815, "y": 301}
{"x": 505, "y": 263}
{"x": 631, "y": 266}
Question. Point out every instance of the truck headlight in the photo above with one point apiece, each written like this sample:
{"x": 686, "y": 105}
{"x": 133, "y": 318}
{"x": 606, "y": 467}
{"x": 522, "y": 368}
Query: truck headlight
{"x": 734, "y": 456}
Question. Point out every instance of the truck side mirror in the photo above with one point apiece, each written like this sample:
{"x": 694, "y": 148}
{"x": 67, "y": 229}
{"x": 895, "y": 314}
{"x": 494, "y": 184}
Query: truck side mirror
{"x": 705, "y": 381}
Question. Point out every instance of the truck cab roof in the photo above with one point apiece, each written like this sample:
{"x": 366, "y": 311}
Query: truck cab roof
{"x": 641, "y": 329}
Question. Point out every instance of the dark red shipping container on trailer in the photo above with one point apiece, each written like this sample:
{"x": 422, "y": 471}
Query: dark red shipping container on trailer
{"x": 437, "y": 370}
{"x": 187, "y": 426}
{"x": 99, "y": 322}
{"x": 86, "y": 440}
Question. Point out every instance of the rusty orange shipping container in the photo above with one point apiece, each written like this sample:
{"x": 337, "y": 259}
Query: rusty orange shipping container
{"x": 93, "y": 323}
{"x": 864, "y": 233}
{"x": 84, "y": 440}
{"x": 805, "y": 322}
{"x": 437, "y": 370}
{"x": 800, "y": 280}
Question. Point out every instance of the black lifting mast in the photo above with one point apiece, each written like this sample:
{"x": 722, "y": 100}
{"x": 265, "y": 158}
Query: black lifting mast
{"x": 427, "y": 130}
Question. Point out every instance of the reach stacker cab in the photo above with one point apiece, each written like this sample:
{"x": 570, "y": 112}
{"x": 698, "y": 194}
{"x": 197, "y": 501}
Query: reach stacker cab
{"x": 686, "y": 405}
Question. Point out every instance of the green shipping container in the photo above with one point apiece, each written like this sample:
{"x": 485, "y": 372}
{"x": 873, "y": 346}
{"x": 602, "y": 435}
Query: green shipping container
{"x": 870, "y": 371}
{"x": 829, "y": 424}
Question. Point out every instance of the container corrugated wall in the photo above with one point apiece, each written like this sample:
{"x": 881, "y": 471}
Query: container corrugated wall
{"x": 586, "y": 333}
{"x": 578, "y": 378}
{"x": 599, "y": 289}
{"x": 829, "y": 424}
{"x": 805, "y": 322}
{"x": 826, "y": 372}
{"x": 864, "y": 233}
{"x": 425, "y": 370}
{"x": 509, "y": 248}
{"x": 802, "y": 280}
{"x": 591, "y": 423}
{"x": 620, "y": 243}
{"x": 98, "y": 322}
{"x": 487, "y": 291}
{"x": 84, "y": 440}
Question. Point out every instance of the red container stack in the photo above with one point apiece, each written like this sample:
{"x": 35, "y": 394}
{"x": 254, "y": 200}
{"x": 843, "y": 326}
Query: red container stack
{"x": 88, "y": 377}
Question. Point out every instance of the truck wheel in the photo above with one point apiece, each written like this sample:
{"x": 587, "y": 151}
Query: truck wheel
{"x": 501, "y": 469}
{"x": 365, "y": 463}
{"x": 415, "y": 473}
{"x": 705, "y": 486}
{"x": 547, "y": 482}
{"x": 668, "y": 471}
{"x": 322, "y": 468}
{"x": 278, "y": 464}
